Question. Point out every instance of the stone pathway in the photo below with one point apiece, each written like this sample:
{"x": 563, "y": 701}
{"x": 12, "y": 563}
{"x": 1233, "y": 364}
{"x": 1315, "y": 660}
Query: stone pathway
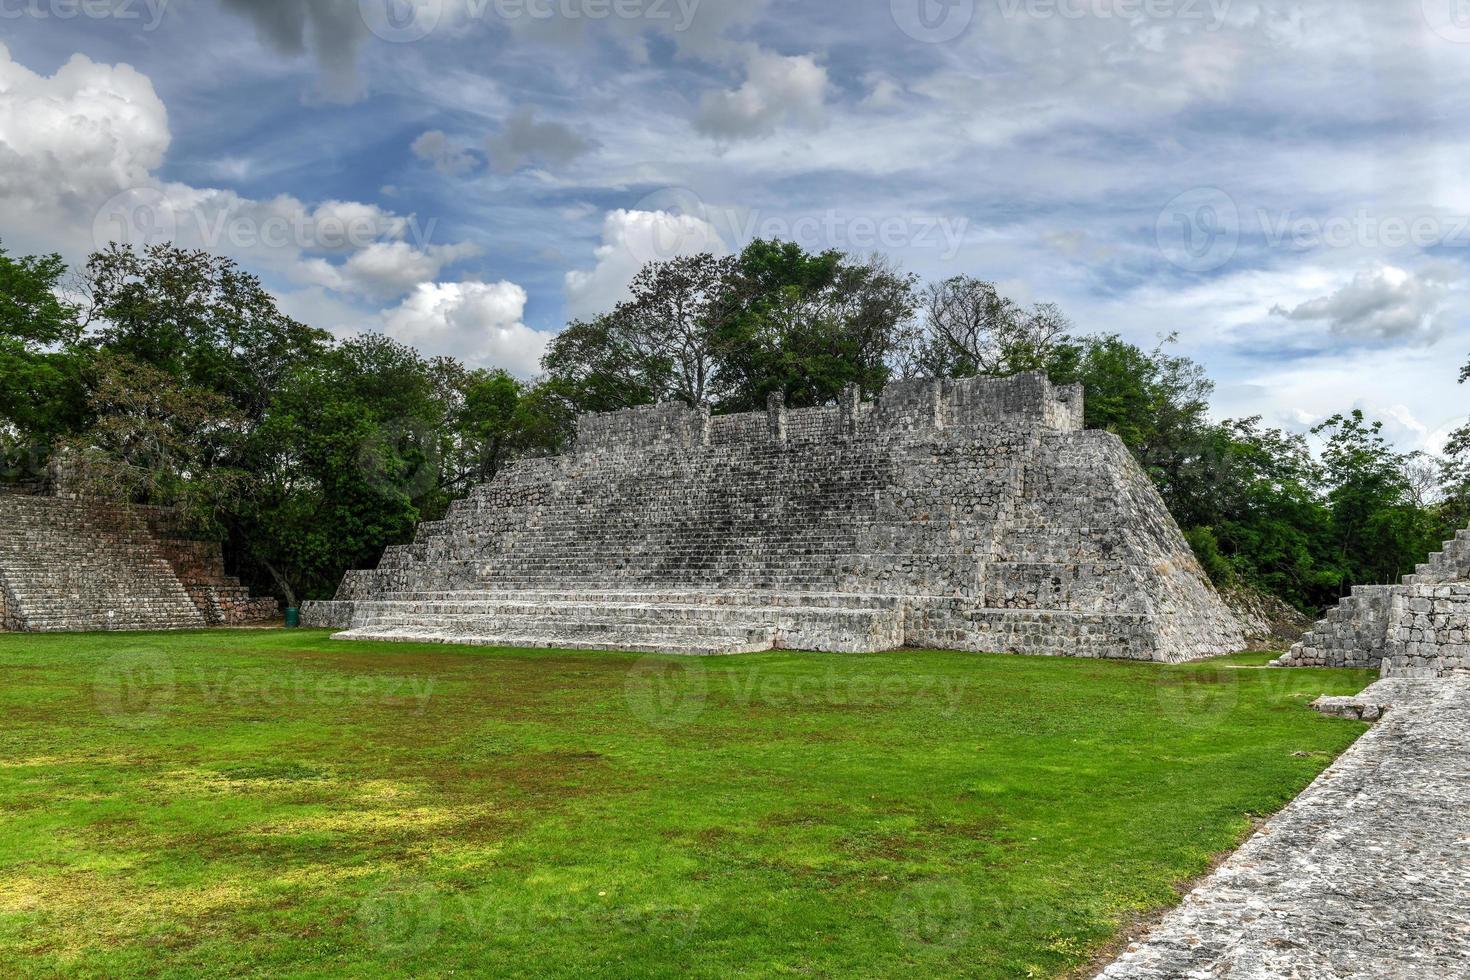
{"x": 1366, "y": 875}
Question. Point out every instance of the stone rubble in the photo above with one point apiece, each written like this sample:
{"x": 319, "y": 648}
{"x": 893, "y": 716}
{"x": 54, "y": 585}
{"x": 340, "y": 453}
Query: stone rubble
{"x": 971, "y": 515}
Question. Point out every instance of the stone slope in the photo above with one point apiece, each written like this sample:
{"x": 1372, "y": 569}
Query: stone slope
{"x": 73, "y": 564}
{"x": 971, "y": 515}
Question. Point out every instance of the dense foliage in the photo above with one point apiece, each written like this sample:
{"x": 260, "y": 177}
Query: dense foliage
{"x": 170, "y": 376}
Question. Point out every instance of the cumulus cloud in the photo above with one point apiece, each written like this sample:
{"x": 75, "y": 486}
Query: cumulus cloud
{"x": 479, "y": 322}
{"x": 384, "y": 269}
{"x": 523, "y": 140}
{"x": 1384, "y": 304}
{"x": 79, "y": 155}
{"x": 778, "y": 89}
{"x": 435, "y": 147}
{"x": 332, "y": 29}
{"x": 630, "y": 240}
{"x": 76, "y": 138}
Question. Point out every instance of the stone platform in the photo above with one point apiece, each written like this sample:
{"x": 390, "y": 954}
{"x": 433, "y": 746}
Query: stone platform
{"x": 1366, "y": 875}
{"x": 970, "y": 515}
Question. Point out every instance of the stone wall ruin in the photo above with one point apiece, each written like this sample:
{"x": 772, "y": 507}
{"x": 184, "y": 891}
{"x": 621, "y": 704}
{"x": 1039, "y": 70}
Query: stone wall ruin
{"x": 971, "y": 515}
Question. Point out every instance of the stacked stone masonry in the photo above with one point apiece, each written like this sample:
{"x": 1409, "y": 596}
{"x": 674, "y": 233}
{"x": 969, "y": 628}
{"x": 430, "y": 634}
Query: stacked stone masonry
{"x": 72, "y": 564}
{"x": 972, "y": 515}
{"x": 1418, "y": 628}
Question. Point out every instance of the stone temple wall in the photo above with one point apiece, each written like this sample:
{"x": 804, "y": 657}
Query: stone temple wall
{"x": 1417, "y": 628}
{"x": 969, "y": 515}
{"x": 69, "y": 564}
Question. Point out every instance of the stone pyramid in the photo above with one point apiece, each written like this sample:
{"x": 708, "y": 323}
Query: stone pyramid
{"x": 967, "y": 515}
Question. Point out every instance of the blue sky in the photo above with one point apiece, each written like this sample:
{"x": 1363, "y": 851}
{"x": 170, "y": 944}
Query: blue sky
{"x": 1283, "y": 185}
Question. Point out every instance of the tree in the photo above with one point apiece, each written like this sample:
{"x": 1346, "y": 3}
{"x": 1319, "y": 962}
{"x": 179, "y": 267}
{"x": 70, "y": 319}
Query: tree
{"x": 808, "y": 325}
{"x": 347, "y": 461}
{"x": 1379, "y": 533}
{"x": 658, "y": 345}
{"x": 156, "y": 440}
{"x": 42, "y": 397}
{"x": 197, "y": 317}
{"x": 971, "y": 329}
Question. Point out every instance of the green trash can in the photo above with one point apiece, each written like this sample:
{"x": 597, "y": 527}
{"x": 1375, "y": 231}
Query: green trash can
{"x": 293, "y": 618}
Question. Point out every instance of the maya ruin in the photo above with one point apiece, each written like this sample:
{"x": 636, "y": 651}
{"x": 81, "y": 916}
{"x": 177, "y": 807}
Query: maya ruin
{"x": 965, "y": 515}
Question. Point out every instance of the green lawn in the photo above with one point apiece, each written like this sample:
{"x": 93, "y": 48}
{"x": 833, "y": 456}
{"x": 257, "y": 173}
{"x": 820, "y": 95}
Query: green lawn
{"x": 272, "y": 803}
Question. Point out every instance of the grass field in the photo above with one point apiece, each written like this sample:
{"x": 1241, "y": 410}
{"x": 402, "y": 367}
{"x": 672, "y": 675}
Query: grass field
{"x": 269, "y": 803}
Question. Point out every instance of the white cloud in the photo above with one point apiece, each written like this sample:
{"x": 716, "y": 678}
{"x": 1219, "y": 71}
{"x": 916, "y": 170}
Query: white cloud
{"x": 1382, "y": 304}
{"x": 384, "y": 269}
{"x": 778, "y": 89}
{"x": 479, "y": 322}
{"x": 74, "y": 139}
{"x": 435, "y": 147}
{"x": 630, "y": 240}
{"x": 79, "y": 155}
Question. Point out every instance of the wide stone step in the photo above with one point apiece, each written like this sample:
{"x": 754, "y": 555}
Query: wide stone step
{"x": 733, "y": 597}
{"x": 674, "y": 642}
{"x": 827, "y": 629}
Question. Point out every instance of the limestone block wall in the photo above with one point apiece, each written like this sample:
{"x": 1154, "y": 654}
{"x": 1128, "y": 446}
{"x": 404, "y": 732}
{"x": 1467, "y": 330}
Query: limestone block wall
{"x": 1428, "y": 631}
{"x": 1354, "y": 633}
{"x": 75, "y": 564}
{"x": 981, "y": 503}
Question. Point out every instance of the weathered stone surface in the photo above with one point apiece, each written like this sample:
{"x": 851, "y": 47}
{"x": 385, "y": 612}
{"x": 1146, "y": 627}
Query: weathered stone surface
{"x": 71, "y": 564}
{"x": 1365, "y": 875}
{"x": 966, "y": 515}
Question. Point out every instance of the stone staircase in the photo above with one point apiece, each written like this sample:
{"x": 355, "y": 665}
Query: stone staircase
{"x": 74, "y": 565}
{"x": 1360, "y": 630}
{"x": 687, "y": 622}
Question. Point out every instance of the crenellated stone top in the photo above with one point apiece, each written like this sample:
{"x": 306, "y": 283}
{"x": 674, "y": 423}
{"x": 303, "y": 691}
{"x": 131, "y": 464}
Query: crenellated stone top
{"x": 1024, "y": 400}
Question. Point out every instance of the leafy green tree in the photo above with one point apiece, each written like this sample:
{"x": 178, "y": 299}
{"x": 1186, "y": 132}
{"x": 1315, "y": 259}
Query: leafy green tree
{"x": 197, "y": 317}
{"x": 347, "y": 461}
{"x": 808, "y": 326}
{"x": 42, "y": 394}
{"x": 1378, "y": 531}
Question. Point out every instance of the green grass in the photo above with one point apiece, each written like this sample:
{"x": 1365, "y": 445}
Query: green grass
{"x": 272, "y": 803}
